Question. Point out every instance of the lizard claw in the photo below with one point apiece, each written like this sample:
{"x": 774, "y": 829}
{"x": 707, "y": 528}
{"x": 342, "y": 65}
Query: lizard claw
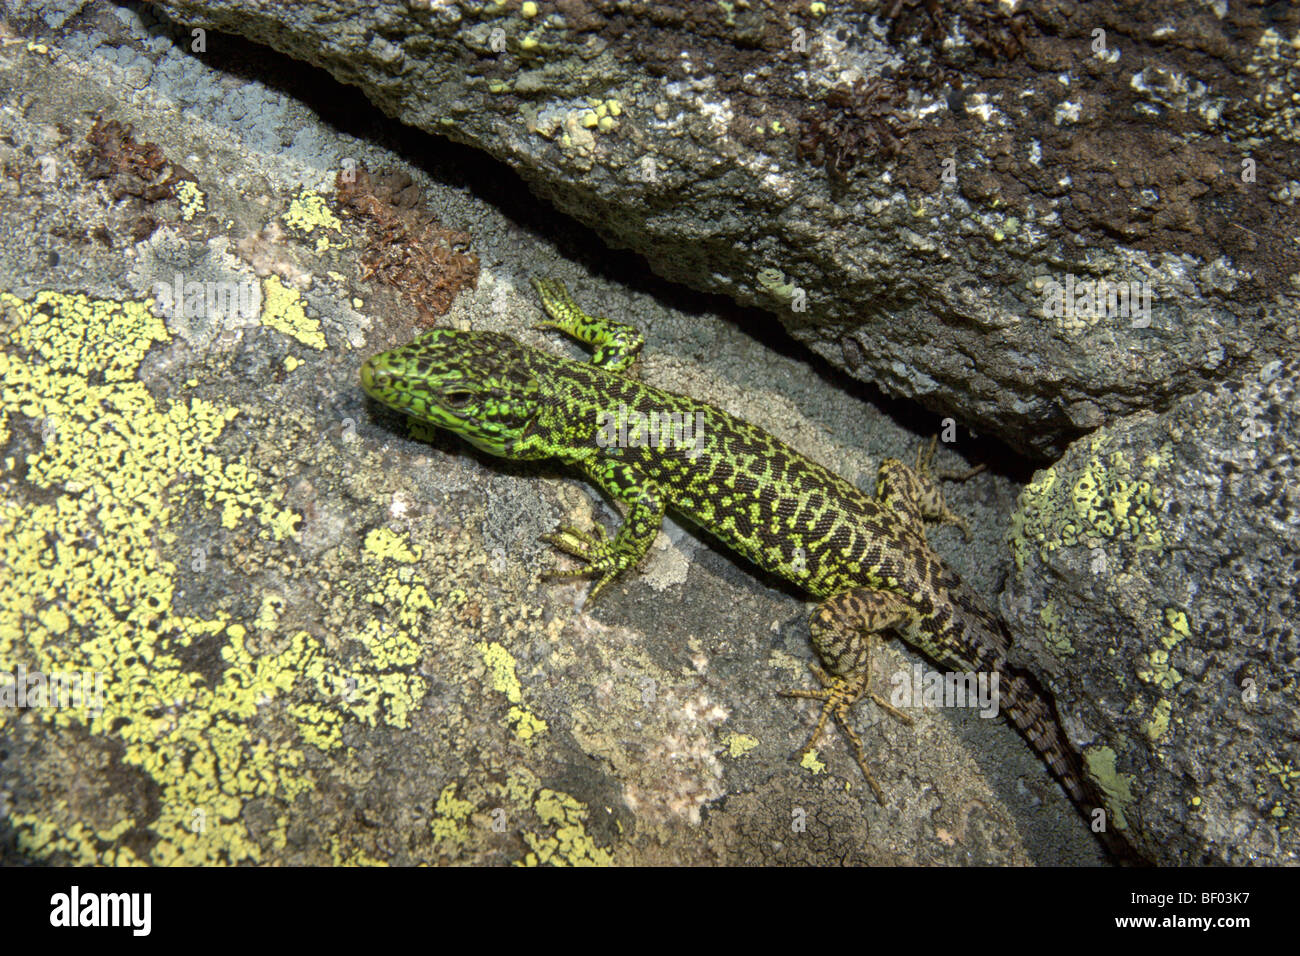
{"x": 581, "y": 544}
{"x": 925, "y": 464}
{"x": 838, "y": 695}
{"x": 593, "y": 548}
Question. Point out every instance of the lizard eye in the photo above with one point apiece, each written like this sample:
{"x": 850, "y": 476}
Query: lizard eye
{"x": 458, "y": 399}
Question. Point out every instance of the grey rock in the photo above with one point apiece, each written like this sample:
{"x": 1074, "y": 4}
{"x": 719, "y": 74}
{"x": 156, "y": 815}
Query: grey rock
{"x": 1157, "y": 583}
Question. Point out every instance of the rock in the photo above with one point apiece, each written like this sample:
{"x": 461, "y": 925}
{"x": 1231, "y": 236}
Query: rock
{"x": 1156, "y": 582}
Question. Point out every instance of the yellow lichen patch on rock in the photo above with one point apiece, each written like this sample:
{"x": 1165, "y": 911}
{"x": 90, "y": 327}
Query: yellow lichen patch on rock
{"x": 1156, "y": 669}
{"x": 739, "y": 744}
{"x": 384, "y": 543}
{"x": 812, "y": 763}
{"x": 394, "y": 584}
{"x": 565, "y": 841}
{"x": 570, "y": 844}
{"x": 310, "y": 214}
{"x": 1116, "y": 787}
{"x": 1104, "y": 501}
{"x": 501, "y": 665}
{"x": 282, "y": 310}
{"x": 191, "y": 199}
{"x": 450, "y": 823}
{"x": 86, "y": 523}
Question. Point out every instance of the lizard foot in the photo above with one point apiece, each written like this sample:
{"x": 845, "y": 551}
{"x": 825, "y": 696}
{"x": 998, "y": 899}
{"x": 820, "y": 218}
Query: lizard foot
{"x": 592, "y": 547}
{"x": 925, "y": 464}
{"x": 927, "y": 475}
{"x": 615, "y": 344}
{"x": 558, "y": 303}
{"x": 838, "y": 695}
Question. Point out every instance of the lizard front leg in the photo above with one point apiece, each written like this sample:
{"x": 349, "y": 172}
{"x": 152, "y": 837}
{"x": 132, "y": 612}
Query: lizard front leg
{"x": 602, "y": 556}
{"x": 616, "y": 344}
{"x": 844, "y": 630}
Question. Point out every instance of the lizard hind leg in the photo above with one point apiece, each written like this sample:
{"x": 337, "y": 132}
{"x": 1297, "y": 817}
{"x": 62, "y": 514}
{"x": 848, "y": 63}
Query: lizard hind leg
{"x": 844, "y": 630}
{"x": 915, "y": 495}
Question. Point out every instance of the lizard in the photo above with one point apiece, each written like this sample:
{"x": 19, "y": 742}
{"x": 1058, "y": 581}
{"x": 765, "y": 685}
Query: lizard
{"x": 864, "y": 557}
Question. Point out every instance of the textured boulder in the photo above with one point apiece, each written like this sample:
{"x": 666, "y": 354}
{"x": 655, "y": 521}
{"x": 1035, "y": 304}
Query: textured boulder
{"x": 1157, "y": 568}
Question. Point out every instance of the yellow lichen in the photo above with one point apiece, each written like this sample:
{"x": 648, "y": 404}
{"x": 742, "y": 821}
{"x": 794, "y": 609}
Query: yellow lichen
{"x": 1158, "y": 725}
{"x": 564, "y": 840}
{"x": 569, "y": 844}
{"x": 86, "y": 585}
{"x": 1050, "y": 615}
{"x": 1105, "y": 501}
{"x": 282, "y": 310}
{"x": 309, "y": 213}
{"x": 1178, "y": 626}
{"x": 1157, "y": 670}
{"x": 501, "y": 665}
{"x": 381, "y": 543}
{"x": 739, "y": 744}
{"x": 811, "y": 762}
{"x": 190, "y": 198}
{"x": 1282, "y": 768}
{"x": 1117, "y": 787}
{"x": 451, "y": 816}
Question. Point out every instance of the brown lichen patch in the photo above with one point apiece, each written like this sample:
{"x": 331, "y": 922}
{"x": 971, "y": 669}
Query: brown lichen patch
{"x": 406, "y": 247}
{"x": 853, "y": 123}
{"x": 732, "y": 40}
{"x": 131, "y": 168}
{"x": 993, "y": 30}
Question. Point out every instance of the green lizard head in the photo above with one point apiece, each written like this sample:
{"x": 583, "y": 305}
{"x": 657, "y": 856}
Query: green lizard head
{"x": 477, "y": 384}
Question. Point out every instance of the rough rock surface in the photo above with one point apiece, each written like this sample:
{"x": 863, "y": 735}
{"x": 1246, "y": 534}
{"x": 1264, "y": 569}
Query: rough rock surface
{"x": 323, "y": 638}
{"x": 906, "y": 184}
{"x": 1157, "y": 580}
